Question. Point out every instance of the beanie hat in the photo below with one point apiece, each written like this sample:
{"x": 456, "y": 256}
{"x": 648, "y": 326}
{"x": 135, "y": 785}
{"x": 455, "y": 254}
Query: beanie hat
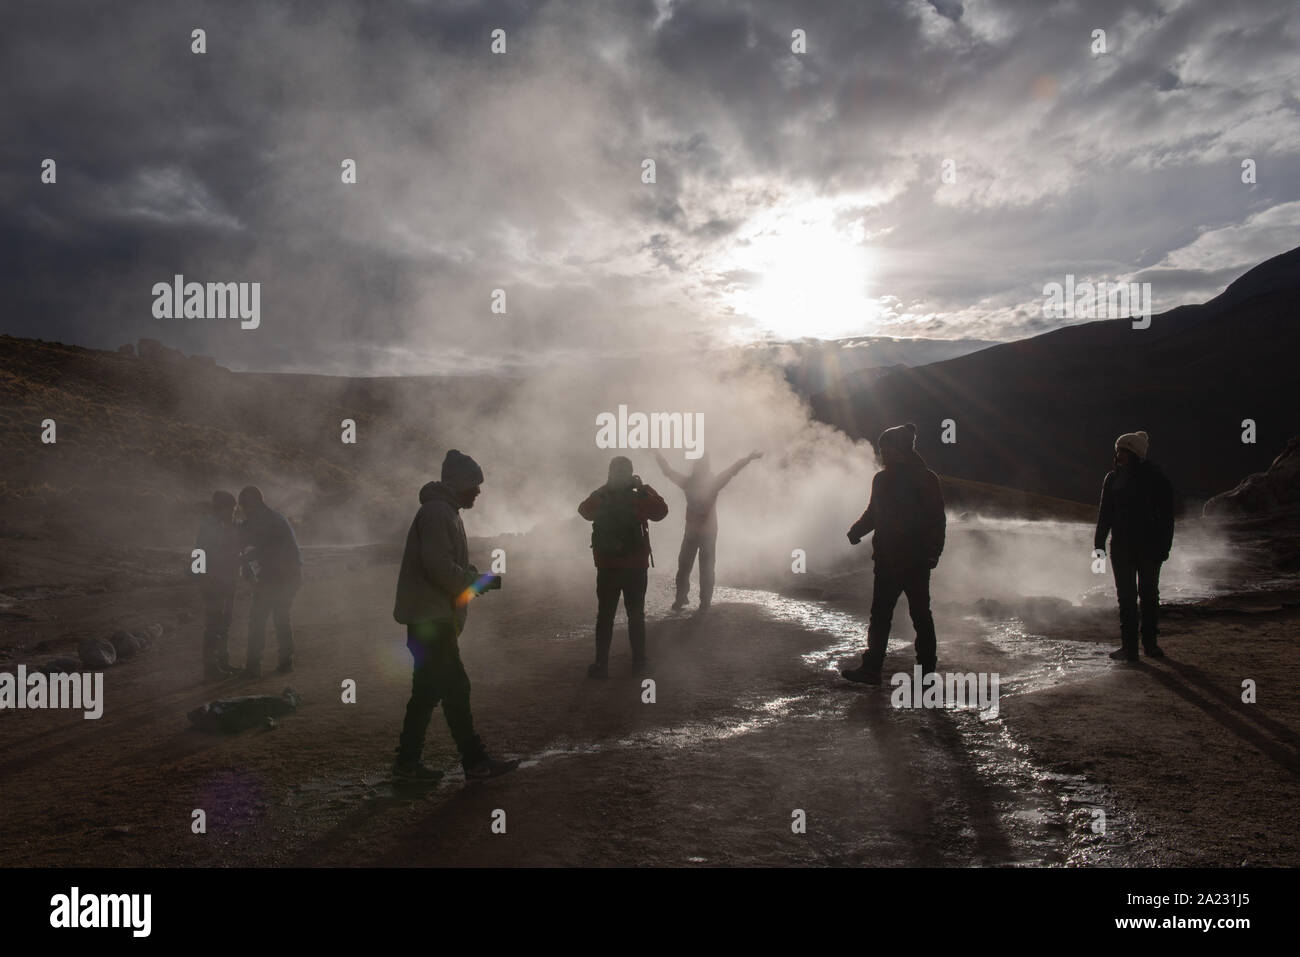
{"x": 620, "y": 470}
{"x": 900, "y": 437}
{"x": 223, "y": 501}
{"x": 1135, "y": 442}
{"x": 460, "y": 472}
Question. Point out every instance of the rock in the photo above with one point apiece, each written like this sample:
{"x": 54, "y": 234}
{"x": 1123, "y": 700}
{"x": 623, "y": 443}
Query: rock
{"x": 96, "y": 652}
{"x": 231, "y": 715}
{"x": 154, "y": 631}
{"x": 127, "y": 350}
{"x": 128, "y": 644}
{"x": 1273, "y": 491}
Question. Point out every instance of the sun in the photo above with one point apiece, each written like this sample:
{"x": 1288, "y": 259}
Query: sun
{"x": 808, "y": 273}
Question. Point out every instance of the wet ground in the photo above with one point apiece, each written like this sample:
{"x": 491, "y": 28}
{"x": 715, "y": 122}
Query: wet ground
{"x": 751, "y": 729}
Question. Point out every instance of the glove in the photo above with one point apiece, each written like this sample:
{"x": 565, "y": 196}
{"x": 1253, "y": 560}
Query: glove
{"x": 854, "y": 539}
{"x": 933, "y": 563}
{"x": 493, "y": 583}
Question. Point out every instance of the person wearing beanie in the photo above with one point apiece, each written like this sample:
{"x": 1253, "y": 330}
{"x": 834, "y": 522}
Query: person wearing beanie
{"x": 271, "y": 558}
{"x": 702, "y": 488}
{"x": 620, "y": 547}
{"x": 434, "y": 587}
{"x": 906, "y": 512}
{"x": 1137, "y": 514}
{"x": 218, "y": 539}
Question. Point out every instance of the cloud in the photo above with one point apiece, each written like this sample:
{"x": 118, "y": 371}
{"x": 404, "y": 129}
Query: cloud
{"x": 523, "y": 171}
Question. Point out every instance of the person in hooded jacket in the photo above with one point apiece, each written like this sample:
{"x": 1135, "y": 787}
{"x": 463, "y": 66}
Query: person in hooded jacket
{"x": 1137, "y": 513}
{"x": 622, "y": 563}
{"x": 269, "y": 551}
{"x": 906, "y": 512}
{"x": 434, "y": 587}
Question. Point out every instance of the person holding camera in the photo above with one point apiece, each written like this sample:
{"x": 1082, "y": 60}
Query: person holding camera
{"x": 620, "y": 546}
{"x": 434, "y": 587}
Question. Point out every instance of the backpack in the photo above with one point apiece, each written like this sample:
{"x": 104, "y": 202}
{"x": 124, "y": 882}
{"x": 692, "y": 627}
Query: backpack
{"x": 616, "y": 531}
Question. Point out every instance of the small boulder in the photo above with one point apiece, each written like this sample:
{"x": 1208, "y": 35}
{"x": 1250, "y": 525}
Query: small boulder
{"x": 96, "y": 652}
{"x": 128, "y": 644}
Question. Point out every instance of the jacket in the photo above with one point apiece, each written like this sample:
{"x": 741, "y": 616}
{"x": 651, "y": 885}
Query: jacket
{"x": 220, "y": 543}
{"x": 1137, "y": 512}
{"x": 435, "y": 564}
{"x": 906, "y": 512}
{"x": 650, "y": 507}
{"x": 274, "y": 547}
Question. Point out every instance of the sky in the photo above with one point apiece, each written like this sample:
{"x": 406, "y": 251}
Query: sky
{"x": 795, "y": 194}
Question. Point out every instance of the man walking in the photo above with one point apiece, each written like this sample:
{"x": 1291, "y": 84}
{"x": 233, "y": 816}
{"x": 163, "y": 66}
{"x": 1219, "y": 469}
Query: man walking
{"x": 906, "y": 513}
{"x": 620, "y": 547}
{"x": 434, "y": 587}
{"x": 1137, "y": 512}
{"x": 270, "y": 553}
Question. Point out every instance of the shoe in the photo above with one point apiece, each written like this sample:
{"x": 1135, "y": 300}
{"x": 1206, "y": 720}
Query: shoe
{"x": 1155, "y": 651}
{"x": 415, "y": 771}
{"x": 252, "y": 671}
{"x": 678, "y": 605}
{"x": 862, "y": 676}
{"x": 284, "y": 668}
{"x": 490, "y": 768}
{"x": 598, "y": 669}
{"x": 1121, "y": 654}
{"x": 218, "y": 672}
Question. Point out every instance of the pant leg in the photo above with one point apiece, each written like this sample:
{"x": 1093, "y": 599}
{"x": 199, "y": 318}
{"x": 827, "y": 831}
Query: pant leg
{"x": 884, "y": 596}
{"x": 1125, "y": 570}
{"x": 424, "y": 698}
{"x": 608, "y": 587}
{"x": 1148, "y": 578}
{"x": 280, "y": 608}
{"x": 218, "y": 608}
{"x": 259, "y": 610}
{"x": 439, "y": 676}
{"x": 708, "y": 552}
{"x": 685, "y": 562}
{"x": 635, "y": 581}
{"x": 916, "y": 584}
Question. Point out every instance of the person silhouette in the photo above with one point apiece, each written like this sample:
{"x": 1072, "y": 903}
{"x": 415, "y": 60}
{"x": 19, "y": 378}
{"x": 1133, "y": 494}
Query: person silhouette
{"x": 701, "y": 533}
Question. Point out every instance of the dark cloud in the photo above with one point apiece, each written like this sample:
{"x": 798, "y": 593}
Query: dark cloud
{"x": 523, "y": 171}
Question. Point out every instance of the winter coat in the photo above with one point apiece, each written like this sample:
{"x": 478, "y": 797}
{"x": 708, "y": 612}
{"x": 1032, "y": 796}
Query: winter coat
{"x": 274, "y": 547}
{"x": 1137, "y": 512}
{"x": 435, "y": 568}
{"x": 220, "y": 543}
{"x": 906, "y": 512}
{"x": 650, "y": 507}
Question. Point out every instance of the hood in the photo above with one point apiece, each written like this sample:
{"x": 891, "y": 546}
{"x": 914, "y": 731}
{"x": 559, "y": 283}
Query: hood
{"x": 438, "y": 491}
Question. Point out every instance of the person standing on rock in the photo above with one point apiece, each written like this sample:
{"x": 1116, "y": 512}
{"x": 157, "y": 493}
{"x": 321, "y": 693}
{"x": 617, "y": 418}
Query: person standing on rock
{"x": 434, "y": 587}
{"x": 270, "y": 554}
{"x": 620, "y": 547}
{"x": 701, "y": 533}
{"x": 907, "y": 514}
{"x": 1137, "y": 513}
{"x": 218, "y": 538}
